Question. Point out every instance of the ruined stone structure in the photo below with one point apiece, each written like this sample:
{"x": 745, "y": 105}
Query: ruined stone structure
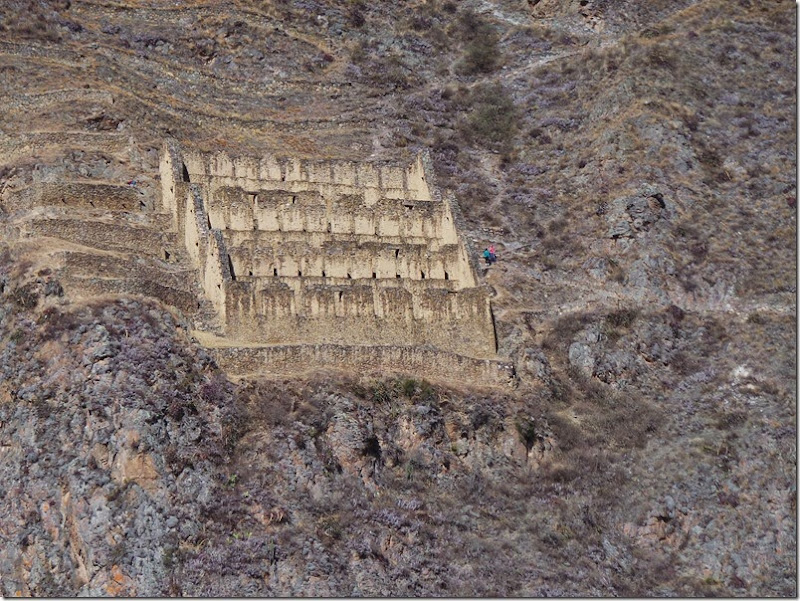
{"x": 281, "y": 265}
{"x": 328, "y": 252}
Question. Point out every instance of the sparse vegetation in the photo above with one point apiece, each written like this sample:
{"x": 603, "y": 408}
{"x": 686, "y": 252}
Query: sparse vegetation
{"x": 481, "y": 54}
{"x": 492, "y": 120}
{"x": 26, "y": 296}
{"x": 650, "y": 448}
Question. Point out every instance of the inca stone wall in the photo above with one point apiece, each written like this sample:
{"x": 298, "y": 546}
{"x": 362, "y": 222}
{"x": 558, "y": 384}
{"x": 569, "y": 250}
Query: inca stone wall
{"x": 106, "y": 197}
{"x": 295, "y": 252}
{"x": 289, "y": 360}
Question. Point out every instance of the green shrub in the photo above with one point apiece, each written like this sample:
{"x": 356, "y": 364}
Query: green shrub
{"x": 26, "y": 297}
{"x": 408, "y": 386}
{"x": 662, "y": 57}
{"x": 427, "y": 393}
{"x": 622, "y": 318}
{"x": 615, "y": 272}
{"x": 417, "y": 390}
{"x": 493, "y": 119}
{"x": 382, "y": 393}
{"x": 757, "y": 318}
{"x": 481, "y": 54}
{"x": 526, "y": 426}
{"x": 567, "y": 435}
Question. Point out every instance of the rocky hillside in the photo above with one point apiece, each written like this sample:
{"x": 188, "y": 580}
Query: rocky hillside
{"x": 635, "y": 165}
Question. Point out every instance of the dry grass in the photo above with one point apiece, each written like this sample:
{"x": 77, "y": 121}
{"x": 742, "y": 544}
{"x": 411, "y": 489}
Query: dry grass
{"x": 698, "y": 103}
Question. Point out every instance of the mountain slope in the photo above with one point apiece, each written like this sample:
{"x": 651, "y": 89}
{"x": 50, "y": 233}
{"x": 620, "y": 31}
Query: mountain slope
{"x": 635, "y": 165}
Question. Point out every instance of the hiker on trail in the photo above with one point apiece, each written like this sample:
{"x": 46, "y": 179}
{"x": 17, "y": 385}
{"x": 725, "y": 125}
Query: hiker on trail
{"x": 487, "y": 256}
{"x": 492, "y": 254}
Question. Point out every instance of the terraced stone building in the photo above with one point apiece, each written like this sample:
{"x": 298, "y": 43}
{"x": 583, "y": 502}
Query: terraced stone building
{"x": 280, "y": 265}
{"x": 331, "y": 263}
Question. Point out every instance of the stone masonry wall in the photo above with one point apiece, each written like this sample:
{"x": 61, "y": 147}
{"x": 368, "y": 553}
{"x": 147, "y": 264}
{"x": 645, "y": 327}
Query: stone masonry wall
{"x": 328, "y": 252}
{"x": 372, "y": 179}
{"x": 286, "y": 360}
{"x": 108, "y": 197}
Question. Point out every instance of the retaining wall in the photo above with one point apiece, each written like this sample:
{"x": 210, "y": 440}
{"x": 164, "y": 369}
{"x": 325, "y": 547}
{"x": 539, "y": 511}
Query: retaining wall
{"x": 102, "y": 235}
{"x": 355, "y": 314}
{"x": 179, "y": 298}
{"x": 107, "y": 197}
{"x": 434, "y": 365}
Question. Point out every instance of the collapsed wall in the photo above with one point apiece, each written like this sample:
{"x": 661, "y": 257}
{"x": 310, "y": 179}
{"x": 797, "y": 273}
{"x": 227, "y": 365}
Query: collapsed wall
{"x": 298, "y": 252}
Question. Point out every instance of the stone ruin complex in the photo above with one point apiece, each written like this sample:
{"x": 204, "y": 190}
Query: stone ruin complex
{"x": 284, "y": 265}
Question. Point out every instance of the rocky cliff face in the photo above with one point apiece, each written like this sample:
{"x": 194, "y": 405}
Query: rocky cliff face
{"x": 634, "y": 165}
{"x": 112, "y": 430}
{"x": 132, "y": 467}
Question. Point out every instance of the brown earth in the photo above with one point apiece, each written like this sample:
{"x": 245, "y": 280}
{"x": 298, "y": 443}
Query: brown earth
{"x": 633, "y": 162}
